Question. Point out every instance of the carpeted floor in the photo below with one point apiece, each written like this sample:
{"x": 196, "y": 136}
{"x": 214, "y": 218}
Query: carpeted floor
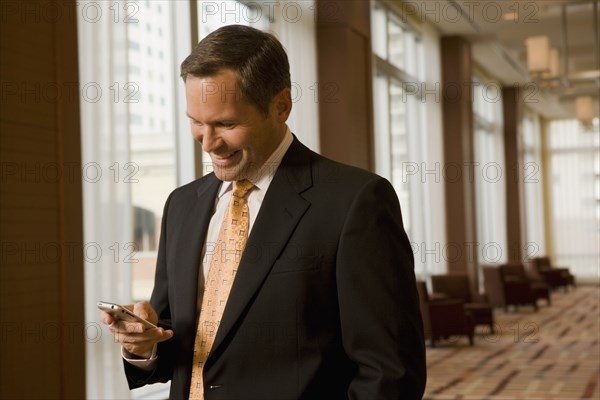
{"x": 550, "y": 354}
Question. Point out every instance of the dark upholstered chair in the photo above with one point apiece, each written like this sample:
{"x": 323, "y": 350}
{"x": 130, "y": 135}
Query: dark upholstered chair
{"x": 518, "y": 272}
{"x": 555, "y": 277}
{"x": 443, "y": 318}
{"x": 456, "y": 286}
{"x": 505, "y": 286}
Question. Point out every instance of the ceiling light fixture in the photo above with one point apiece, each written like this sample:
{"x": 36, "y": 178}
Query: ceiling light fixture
{"x": 585, "y": 110}
{"x": 538, "y": 54}
{"x": 554, "y": 63}
{"x": 511, "y": 16}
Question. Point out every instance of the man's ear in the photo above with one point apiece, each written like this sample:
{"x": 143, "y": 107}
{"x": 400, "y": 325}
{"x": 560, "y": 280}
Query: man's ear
{"x": 282, "y": 105}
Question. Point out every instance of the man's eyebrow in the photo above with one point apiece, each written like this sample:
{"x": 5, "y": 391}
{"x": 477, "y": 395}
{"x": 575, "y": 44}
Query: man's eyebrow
{"x": 222, "y": 121}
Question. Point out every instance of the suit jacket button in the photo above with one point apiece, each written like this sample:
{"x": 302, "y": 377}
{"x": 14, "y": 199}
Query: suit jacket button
{"x": 215, "y": 386}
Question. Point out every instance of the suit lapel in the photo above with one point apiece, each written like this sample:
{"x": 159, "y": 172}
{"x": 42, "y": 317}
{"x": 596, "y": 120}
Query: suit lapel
{"x": 188, "y": 252}
{"x": 280, "y": 212}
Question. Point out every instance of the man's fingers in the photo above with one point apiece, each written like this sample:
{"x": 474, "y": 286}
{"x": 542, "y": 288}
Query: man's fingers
{"x": 135, "y": 327}
{"x": 133, "y": 336}
{"x": 149, "y": 337}
{"x": 106, "y": 318}
{"x": 165, "y": 335}
{"x": 145, "y": 310}
{"x": 126, "y": 327}
{"x": 140, "y": 310}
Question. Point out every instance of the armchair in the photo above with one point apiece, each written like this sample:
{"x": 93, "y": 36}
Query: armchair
{"x": 456, "y": 286}
{"x": 553, "y": 276}
{"x": 505, "y": 286}
{"x": 444, "y": 317}
{"x": 517, "y": 271}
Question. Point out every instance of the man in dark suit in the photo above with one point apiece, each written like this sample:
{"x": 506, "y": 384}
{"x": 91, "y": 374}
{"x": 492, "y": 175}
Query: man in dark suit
{"x": 321, "y": 303}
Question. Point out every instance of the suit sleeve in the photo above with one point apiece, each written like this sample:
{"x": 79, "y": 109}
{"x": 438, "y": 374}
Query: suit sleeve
{"x": 382, "y": 330}
{"x": 163, "y": 368}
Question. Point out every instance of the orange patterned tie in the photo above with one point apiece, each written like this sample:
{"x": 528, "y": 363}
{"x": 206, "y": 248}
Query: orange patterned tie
{"x": 223, "y": 266}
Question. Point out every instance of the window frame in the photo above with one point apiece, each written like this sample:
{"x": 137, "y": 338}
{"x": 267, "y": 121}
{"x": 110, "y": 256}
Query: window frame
{"x": 488, "y": 143}
{"x": 414, "y": 213}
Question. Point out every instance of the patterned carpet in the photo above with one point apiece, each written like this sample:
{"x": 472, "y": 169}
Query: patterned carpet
{"x": 550, "y": 354}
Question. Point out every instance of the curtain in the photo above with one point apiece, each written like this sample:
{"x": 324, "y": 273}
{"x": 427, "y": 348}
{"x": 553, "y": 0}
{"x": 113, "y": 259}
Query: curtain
{"x": 107, "y": 196}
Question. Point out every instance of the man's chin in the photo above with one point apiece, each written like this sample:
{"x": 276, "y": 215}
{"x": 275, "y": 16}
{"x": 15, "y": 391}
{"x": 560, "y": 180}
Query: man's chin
{"x": 229, "y": 174}
{"x": 242, "y": 170}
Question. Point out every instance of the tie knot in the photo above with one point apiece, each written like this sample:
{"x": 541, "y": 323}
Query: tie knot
{"x": 241, "y": 188}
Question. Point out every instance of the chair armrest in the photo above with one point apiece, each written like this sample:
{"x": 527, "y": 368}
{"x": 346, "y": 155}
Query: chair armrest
{"x": 447, "y": 309}
{"x": 480, "y": 298}
{"x": 515, "y": 279}
{"x": 563, "y": 271}
{"x": 437, "y": 297}
{"x": 517, "y": 285}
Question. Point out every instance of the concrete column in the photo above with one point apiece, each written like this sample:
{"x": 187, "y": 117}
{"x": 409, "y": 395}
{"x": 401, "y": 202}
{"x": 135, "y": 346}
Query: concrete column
{"x": 457, "y": 109}
{"x": 344, "y": 87}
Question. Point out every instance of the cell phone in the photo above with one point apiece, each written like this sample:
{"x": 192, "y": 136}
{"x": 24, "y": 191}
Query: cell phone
{"x": 122, "y": 313}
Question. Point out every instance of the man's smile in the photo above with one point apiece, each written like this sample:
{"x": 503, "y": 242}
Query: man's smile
{"x": 226, "y": 159}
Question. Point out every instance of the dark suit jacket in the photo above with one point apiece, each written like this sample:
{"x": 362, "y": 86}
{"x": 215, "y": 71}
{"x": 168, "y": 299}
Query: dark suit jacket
{"x": 324, "y": 304}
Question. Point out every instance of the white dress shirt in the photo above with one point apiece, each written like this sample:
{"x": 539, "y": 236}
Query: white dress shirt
{"x": 261, "y": 181}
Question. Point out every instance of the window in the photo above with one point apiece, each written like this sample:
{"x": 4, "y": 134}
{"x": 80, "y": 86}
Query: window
{"x": 533, "y": 185}
{"x": 399, "y": 117}
{"x": 213, "y": 15}
{"x": 574, "y": 156}
{"x": 392, "y": 140}
{"x": 489, "y": 172}
{"x": 152, "y": 148}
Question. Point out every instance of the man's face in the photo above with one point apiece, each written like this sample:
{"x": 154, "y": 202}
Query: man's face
{"x": 234, "y": 132}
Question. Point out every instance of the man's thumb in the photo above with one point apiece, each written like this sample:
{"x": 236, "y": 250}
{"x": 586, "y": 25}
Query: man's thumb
{"x": 166, "y": 335}
{"x": 145, "y": 310}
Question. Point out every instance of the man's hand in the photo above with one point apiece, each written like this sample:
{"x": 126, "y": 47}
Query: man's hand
{"x": 136, "y": 339}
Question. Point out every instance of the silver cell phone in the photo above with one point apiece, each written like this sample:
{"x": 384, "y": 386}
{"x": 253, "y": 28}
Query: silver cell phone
{"x": 120, "y": 312}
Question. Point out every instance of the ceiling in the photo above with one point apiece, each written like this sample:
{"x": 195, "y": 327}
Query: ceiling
{"x": 498, "y": 29}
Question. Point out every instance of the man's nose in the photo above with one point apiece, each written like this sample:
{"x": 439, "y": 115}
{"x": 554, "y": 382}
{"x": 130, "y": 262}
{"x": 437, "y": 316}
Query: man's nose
{"x": 209, "y": 138}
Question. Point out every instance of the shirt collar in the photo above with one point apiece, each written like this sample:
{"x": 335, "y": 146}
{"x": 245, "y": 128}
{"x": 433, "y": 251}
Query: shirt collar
{"x": 265, "y": 175}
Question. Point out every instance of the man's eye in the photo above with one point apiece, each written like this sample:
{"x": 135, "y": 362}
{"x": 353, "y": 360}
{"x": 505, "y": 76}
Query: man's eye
{"x": 227, "y": 125}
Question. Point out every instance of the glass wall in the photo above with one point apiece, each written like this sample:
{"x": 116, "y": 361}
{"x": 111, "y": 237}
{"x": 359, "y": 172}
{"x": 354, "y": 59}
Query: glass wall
{"x": 152, "y": 125}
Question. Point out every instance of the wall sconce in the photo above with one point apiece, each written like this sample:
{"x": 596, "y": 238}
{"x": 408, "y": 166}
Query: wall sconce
{"x": 538, "y": 54}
